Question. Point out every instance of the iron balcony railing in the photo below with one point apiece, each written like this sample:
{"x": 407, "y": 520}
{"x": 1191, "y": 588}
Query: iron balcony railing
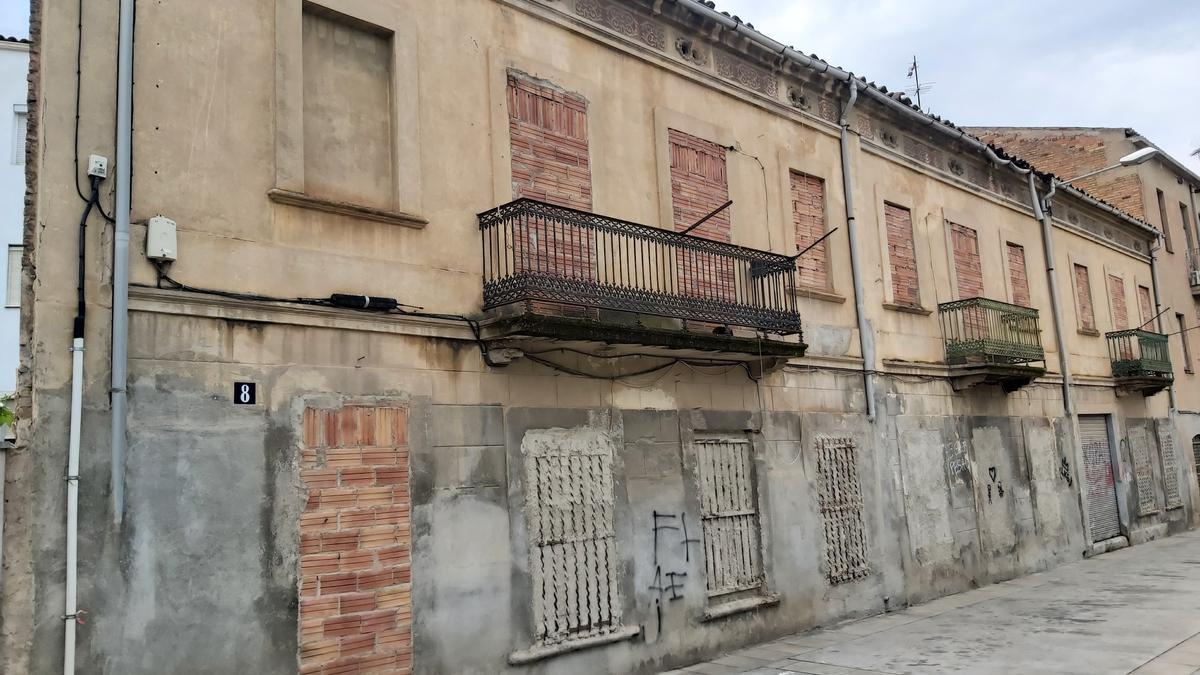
{"x": 1194, "y": 268}
{"x": 539, "y": 252}
{"x": 979, "y": 330}
{"x": 1139, "y": 353}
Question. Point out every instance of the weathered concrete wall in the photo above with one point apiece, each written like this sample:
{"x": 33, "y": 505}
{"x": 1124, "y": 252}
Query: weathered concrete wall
{"x": 215, "y": 499}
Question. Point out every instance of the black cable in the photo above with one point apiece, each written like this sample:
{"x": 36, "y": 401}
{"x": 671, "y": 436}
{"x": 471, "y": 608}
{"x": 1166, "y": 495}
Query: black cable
{"x": 78, "y": 87}
{"x": 573, "y": 371}
{"x": 176, "y": 285}
{"x": 81, "y": 304}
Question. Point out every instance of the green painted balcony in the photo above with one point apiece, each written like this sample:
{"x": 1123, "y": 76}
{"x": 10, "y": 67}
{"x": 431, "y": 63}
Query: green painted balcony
{"x": 1141, "y": 361}
{"x": 992, "y": 342}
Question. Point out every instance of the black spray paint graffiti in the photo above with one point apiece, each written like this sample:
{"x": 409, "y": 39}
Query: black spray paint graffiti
{"x": 1064, "y": 470}
{"x": 999, "y": 485}
{"x": 671, "y": 582}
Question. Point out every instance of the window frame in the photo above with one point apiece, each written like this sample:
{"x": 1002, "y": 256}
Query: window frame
{"x": 12, "y": 286}
{"x": 20, "y": 130}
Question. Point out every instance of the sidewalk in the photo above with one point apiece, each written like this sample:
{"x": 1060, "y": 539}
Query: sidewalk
{"x": 1136, "y": 610}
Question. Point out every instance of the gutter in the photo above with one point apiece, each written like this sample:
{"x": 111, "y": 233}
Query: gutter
{"x": 741, "y": 29}
{"x": 1138, "y": 139}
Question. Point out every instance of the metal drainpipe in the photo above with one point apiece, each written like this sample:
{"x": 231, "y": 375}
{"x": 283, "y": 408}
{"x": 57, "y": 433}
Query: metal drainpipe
{"x": 1064, "y": 356}
{"x": 1064, "y": 365}
{"x": 120, "y": 310}
{"x": 1158, "y": 310}
{"x": 866, "y": 338}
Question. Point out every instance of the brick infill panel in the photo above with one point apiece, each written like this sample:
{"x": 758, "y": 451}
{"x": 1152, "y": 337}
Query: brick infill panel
{"x": 355, "y": 542}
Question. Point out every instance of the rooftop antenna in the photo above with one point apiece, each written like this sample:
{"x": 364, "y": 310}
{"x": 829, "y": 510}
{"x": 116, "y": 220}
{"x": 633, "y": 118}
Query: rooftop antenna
{"x": 914, "y": 73}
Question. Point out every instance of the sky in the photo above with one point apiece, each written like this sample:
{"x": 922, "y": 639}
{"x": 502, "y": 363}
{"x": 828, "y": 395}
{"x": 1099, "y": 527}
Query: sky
{"x": 1015, "y": 62}
{"x": 994, "y": 62}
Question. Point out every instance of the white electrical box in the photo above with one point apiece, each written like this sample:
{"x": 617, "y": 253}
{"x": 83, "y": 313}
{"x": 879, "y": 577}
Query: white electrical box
{"x": 160, "y": 239}
{"x": 98, "y": 166}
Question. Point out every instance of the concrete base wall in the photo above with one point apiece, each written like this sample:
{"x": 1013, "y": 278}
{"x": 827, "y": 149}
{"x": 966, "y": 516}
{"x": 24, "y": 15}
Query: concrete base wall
{"x": 957, "y": 491}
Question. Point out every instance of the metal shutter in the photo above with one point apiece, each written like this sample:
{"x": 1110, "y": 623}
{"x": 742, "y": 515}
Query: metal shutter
{"x": 1101, "y": 489}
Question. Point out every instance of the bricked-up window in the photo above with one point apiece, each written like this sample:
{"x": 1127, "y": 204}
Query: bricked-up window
{"x": 808, "y": 216}
{"x": 1018, "y": 275}
{"x": 1083, "y": 299}
{"x": 729, "y": 515}
{"x": 839, "y": 495}
{"x": 570, "y": 520}
{"x": 1145, "y": 305}
{"x": 968, "y": 269}
{"x": 968, "y": 272}
{"x": 1166, "y": 224}
{"x": 347, "y": 104}
{"x": 1186, "y": 337}
{"x": 1116, "y": 292}
{"x": 355, "y": 536}
{"x": 549, "y": 137}
{"x": 902, "y": 256}
{"x": 1120, "y": 312}
{"x": 698, "y": 186}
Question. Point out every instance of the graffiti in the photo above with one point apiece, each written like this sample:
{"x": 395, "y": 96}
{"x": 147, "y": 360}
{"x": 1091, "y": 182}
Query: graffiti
{"x": 668, "y": 584}
{"x": 998, "y": 484}
{"x": 1064, "y": 470}
{"x": 957, "y": 463}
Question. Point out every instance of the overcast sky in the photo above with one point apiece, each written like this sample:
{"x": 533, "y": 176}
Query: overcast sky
{"x": 994, "y": 62}
{"x": 1015, "y": 62}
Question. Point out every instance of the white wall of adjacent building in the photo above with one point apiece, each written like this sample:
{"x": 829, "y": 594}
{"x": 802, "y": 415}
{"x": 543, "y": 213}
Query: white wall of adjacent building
{"x": 14, "y": 65}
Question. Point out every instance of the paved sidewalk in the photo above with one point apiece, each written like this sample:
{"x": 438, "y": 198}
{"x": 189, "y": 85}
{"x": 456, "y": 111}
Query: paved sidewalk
{"x": 1136, "y": 610}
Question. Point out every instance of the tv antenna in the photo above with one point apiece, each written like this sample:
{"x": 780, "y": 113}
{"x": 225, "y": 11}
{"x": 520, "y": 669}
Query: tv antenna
{"x": 914, "y": 73}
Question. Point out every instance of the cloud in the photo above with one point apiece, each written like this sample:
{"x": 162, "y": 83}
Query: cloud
{"x": 1016, "y": 62}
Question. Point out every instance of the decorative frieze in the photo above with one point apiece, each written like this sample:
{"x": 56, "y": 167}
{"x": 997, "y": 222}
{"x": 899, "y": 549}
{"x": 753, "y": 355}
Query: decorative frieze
{"x": 623, "y": 21}
{"x": 732, "y": 68}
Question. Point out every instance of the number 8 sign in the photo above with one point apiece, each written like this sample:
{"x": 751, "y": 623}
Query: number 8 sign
{"x": 245, "y": 393}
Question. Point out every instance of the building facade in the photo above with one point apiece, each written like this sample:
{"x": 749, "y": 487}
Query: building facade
{"x": 14, "y": 69}
{"x": 1162, "y": 192}
{"x": 462, "y": 361}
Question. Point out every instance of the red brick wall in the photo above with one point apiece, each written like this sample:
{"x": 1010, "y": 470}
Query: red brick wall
{"x": 1116, "y": 291}
{"x": 1068, "y": 153}
{"x": 1083, "y": 293}
{"x": 1144, "y": 304}
{"x": 808, "y": 217}
{"x": 355, "y": 576}
{"x": 698, "y": 185}
{"x": 549, "y": 135}
{"x": 548, "y": 132}
{"x": 902, "y": 256}
{"x": 1018, "y": 274}
{"x": 968, "y": 269}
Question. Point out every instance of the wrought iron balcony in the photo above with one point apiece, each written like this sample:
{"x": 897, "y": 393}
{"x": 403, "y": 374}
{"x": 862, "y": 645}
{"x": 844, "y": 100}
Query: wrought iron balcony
{"x": 1141, "y": 360}
{"x": 992, "y": 342}
{"x": 559, "y": 262}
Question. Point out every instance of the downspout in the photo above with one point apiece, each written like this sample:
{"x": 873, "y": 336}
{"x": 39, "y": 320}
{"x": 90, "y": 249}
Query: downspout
{"x": 120, "y": 281}
{"x": 1039, "y": 211}
{"x": 866, "y": 338}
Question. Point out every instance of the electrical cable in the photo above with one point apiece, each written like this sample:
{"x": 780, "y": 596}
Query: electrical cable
{"x": 78, "y": 87}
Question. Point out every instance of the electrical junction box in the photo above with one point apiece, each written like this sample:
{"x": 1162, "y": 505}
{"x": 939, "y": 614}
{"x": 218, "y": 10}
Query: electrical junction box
{"x": 160, "y": 239}
{"x": 98, "y": 166}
